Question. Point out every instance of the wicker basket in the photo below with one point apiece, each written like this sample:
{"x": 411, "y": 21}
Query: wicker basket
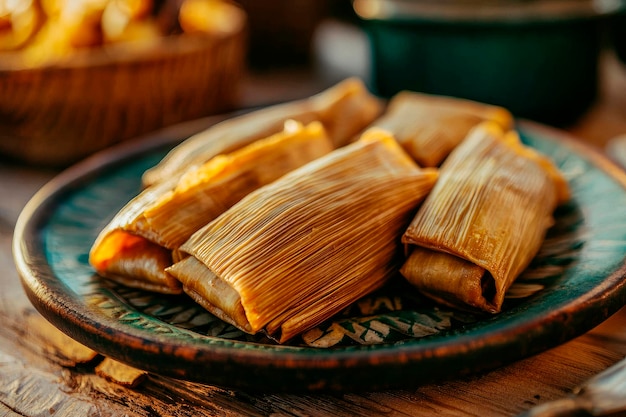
{"x": 60, "y": 113}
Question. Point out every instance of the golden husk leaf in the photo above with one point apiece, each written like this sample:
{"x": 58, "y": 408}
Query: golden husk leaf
{"x": 429, "y": 127}
{"x": 307, "y": 245}
{"x": 344, "y": 110}
{"x": 204, "y": 193}
{"x": 490, "y": 209}
{"x": 212, "y": 293}
{"x": 135, "y": 248}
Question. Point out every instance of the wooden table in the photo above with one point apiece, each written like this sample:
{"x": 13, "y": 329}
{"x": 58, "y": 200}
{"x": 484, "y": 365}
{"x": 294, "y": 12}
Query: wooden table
{"x": 38, "y": 377}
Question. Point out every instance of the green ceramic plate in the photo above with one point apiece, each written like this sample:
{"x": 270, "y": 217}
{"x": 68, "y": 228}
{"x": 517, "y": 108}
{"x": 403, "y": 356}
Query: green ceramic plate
{"x": 390, "y": 339}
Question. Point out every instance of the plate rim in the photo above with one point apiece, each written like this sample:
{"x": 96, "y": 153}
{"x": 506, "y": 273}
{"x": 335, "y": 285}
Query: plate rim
{"x": 65, "y": 312}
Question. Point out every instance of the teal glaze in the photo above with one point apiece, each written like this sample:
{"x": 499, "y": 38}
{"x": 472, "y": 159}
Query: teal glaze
{"x": 545, "y": 71}
{"x": 391, "y": 339}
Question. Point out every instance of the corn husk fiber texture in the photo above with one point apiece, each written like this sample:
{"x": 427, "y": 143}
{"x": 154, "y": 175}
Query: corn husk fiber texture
{"x": 484, "y": 221}
{"x": 429, "y": 127}
{"x": 344, "y": 109}
{"x": 299, "y": 250}
{"x": 141, "y": 241}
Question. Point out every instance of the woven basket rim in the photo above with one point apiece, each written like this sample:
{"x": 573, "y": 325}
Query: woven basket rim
{"x": 162, "y": 48}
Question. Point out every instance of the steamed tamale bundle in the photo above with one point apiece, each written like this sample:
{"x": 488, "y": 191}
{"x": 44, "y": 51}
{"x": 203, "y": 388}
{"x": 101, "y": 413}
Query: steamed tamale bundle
{"x": 429, "y": 127}
{"x": 484, "y": 221}
{"x": 344, "y": 110}
{"x": 140, "y": 242}
{"x": 295, "y": 252}
{"x": 276, "y": 231}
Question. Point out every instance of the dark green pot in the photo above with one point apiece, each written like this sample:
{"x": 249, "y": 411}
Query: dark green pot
{"x": 544, "y": 68}
{"x": 618, "y": 35}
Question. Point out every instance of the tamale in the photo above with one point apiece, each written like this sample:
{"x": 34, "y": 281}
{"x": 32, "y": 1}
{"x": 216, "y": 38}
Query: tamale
{"x": 484, "y": 220}
{"x": 294, "y": 252}
{"x": 344, "y": 110}
{"x": 141, "y": 240}
{"x": 429, "y": 127}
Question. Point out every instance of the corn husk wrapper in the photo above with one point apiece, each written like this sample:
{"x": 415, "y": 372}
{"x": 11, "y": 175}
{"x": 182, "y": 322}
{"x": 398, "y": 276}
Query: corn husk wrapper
{"x": 484, "y": 221}
{"x": 140, "y": 242}
{"x": 293, "y": 253}
{"x": 429, "y": 127}
{"x": 344, "y": 109}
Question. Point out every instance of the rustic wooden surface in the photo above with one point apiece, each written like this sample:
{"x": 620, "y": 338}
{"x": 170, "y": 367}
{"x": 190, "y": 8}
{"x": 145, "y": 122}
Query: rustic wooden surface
{"x": 42, "y": 373}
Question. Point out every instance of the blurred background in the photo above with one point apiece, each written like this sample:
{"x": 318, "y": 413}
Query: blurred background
{"x": 77, "y": 76}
